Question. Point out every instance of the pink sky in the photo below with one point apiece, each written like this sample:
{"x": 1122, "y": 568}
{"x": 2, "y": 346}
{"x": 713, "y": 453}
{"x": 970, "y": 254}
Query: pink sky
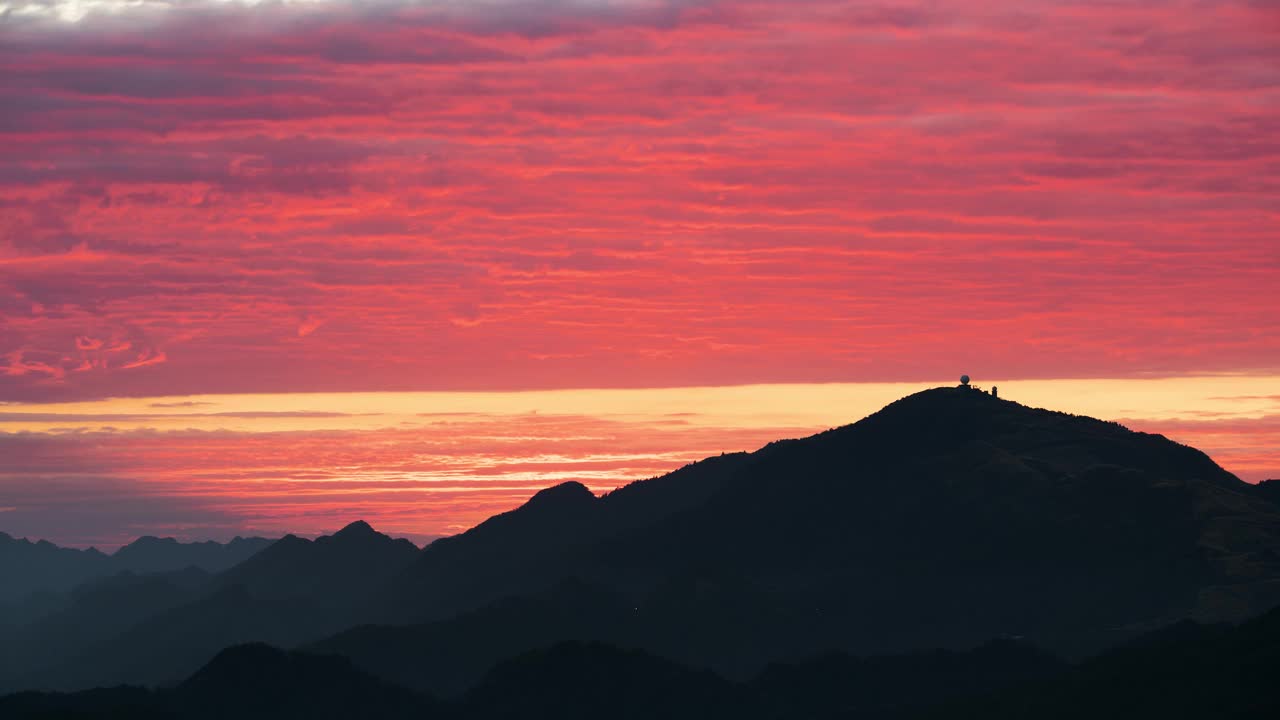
{"x": 202, "y": 197}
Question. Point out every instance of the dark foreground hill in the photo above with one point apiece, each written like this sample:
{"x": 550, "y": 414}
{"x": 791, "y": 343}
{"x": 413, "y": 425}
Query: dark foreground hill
{"x": 1185, "y": 671}
{"x": 568, "y": 680}
{"x": 946, "y": 519}
{"x": 250, "y": 682}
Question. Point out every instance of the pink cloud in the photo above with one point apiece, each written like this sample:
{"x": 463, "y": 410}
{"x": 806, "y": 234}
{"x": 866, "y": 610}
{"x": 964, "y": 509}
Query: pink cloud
{"x": 676, "y": 193}
{"x": 309, "y": 325}
{"x": 145, "y": 358}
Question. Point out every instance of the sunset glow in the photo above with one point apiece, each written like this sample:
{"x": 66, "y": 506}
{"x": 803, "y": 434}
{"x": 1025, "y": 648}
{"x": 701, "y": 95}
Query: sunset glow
{"x": 273, "y": 266}
{"x": 429, "y": 464}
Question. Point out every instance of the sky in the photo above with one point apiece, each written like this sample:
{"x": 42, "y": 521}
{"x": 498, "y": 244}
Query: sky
{"x": 270, "y": 266}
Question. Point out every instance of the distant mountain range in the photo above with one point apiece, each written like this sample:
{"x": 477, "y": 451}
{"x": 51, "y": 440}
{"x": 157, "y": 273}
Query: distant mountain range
{"x": 157, "y": 628}
{"x": 34, "y": 567}
{"x": 947, "y": 520}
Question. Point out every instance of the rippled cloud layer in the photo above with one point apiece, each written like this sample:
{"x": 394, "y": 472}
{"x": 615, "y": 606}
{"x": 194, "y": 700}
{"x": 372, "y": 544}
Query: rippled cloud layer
{"x": 260, "y": 197}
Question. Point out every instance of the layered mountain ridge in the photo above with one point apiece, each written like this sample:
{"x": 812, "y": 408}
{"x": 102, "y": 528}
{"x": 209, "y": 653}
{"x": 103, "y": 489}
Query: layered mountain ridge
{"x": 156, "y": 628}
{"x": 946, "y": 519}
{"x": 41, "y": 566}
{"x": 1188, "y": 671}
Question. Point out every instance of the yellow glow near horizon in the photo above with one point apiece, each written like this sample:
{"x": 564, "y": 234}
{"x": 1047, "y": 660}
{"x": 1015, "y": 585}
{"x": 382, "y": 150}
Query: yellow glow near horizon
{"x": 425, "y": 464}
{"x": 1192, "y": 398}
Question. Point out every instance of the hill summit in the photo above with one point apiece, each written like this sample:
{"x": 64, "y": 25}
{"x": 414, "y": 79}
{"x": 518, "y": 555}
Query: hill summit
{"x": 947, "y": 518}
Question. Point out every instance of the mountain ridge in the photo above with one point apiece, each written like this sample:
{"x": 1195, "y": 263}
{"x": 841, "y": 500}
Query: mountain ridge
{"x": 285, "y": 593}
{"x": 1187, "y": 671}
{"x": 946, "y": 519}
{"x": 1019, "y": 521}
{"x": 41, "y": 566}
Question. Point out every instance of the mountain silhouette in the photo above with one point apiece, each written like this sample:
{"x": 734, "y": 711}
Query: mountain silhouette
{"x": 575, "y": 680}
{"x": 42, "y": 567}
{"x": 584, "y": 681}
{"x": 294, "y": 590}
{"x": 945, "y": 520}
{"x": 842, "y": 685}
{"x": 259, "y": 681}
{"x": 334, "y": 570}
{"x": 535, "y": 546}
{"x": 154, "y": 554}
{"x": 568, "y": 680}
{"x": 447, "y": 657}
{"x": 1186, "y": 671}
{"x": 1181, "y": 672}
{"x": 247, "y": 682}
{"x": 948, "y": 518}
{"x": 30, "y": 567}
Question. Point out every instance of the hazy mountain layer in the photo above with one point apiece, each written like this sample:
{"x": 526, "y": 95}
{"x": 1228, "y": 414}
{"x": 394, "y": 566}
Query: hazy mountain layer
{"x": 33, "y": 567}
{"x": 152, "y": 629}
{"x": 1184, "y": 671}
